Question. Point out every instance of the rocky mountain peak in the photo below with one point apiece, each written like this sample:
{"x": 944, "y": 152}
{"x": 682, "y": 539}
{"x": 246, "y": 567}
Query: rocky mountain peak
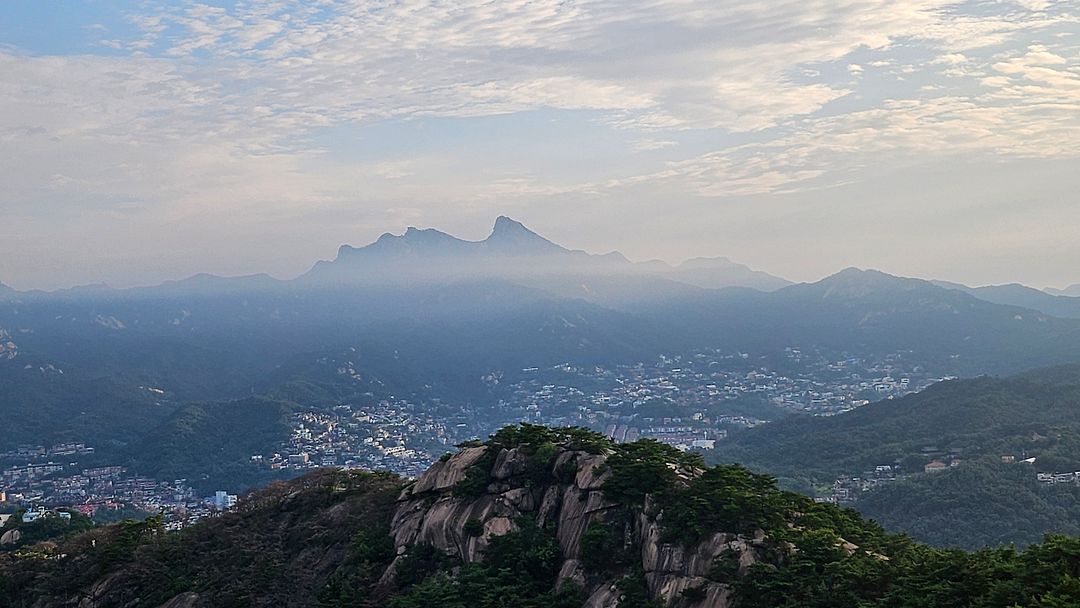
{"x": 488, "y": 490}
{"x": 504, "y": 225}
{"x": 509, "y": 236}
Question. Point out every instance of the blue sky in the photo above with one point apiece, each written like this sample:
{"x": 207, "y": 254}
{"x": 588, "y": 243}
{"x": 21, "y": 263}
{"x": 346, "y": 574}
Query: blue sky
{"x": 149, "y": 140}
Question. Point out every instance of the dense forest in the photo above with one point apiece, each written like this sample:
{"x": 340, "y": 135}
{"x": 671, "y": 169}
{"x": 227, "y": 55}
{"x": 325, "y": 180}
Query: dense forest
{"x": 981, "y": 502}
{"x": 1030, "y": 414}
{"x": 215, "y": 439}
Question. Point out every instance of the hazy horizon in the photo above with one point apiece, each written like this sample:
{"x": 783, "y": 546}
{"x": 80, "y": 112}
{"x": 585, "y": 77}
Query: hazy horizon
{"x": 151, "y": 141}
{"x": 400, "y": 233}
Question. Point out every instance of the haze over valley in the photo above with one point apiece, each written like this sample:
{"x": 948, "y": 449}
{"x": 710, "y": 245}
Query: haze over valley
{"x": 393, "y": 352}
{"x": 540, "y": 304}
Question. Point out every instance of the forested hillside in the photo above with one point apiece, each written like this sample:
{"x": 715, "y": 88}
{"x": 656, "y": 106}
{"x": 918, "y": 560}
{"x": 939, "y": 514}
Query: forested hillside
{"x": 1032, "y": 414}
{"x": 973, "y": 424}
{"x": 979, "y": 504}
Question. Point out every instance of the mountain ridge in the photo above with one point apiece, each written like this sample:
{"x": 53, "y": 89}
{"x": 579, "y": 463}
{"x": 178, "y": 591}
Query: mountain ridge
{"x": 1071, "y": 290}
{"x": 1016, "y": 294}
{"x": 511, "y": 250}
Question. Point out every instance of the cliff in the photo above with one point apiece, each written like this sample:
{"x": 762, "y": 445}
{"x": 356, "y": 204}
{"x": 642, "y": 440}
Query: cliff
{"x": 564, "y": 493}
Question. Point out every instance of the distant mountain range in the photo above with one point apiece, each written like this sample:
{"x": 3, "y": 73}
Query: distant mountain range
{"x": 513, "y": 252}
{"x": 429, "y": 313}
{"x": 866, "y": 311}
{"x": 428, "y": 256}
{"x": 1014, "y": 294}
{"x": 1072, "y": 290}
{"x": 516, "y": 297}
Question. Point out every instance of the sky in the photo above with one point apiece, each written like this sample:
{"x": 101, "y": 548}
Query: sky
{"x": 142, "y": 141}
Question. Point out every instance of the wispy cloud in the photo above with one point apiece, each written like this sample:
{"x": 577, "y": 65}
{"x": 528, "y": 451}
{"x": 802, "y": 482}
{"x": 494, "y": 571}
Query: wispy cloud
{"x": 244, "y": 112}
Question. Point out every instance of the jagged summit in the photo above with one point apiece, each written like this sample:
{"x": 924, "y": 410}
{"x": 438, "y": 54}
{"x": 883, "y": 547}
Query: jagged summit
{"x": 510, "y": 251}
{"x": 412, "y": 234}
{"x": 512, "y": 237}
{"x": 513, "y": 252}
{"x": 504, "y": 224}
{"x": 507, "y": 236}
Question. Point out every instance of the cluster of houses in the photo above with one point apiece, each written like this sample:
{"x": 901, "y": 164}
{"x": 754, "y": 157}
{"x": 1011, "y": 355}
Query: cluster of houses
{"x": 397, "y": 436}
{"x": 39, "y": 451}
{"x": 1053, "y": 478}
{"x": 695, "y": 390}
{"x": 31, "y": 515}
{"x": 847, "y": 488}
{"x": 50, "y": 489}
{"x": 8, "y": 349}
{"x": 10, "y": 535}
{"x": 682, "y": 437}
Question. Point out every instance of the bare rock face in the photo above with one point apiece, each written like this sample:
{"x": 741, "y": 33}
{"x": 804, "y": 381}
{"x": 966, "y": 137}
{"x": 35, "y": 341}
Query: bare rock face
{"x": 671, "y": 568}
{"x": 444, "y": 475}
{"x": 509, "y": 463}
{"x": 184, "y": 600}
{"x": 10, "y": 537}
{"x": 591, "y": 472}
{"x": 670, "y": 587}
{"x": 603, "y": 596}
{"x": 570, "y": 500}
{"x": 96, "y": 595}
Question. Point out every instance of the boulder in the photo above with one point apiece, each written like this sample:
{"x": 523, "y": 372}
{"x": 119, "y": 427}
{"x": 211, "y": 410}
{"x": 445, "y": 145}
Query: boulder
{"x": 591, "y": 472}
{"x": 10, "y": 537}
{"x": 444, "y": 475}
{"x": 510, "y": 463}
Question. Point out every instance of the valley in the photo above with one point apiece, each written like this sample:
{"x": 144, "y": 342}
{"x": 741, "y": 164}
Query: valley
{"x": 539, "y": 304}
{"x": 846, "y": 389}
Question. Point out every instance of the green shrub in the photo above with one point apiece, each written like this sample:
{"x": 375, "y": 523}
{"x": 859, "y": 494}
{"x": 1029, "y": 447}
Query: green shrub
{"x": 473, "y": 527}
{"x": 602, "y": 547}
{"x": 422, "y": 561}
{"x": 725, "y": 567}
{"x": 567, "y": 471}
{"x": 634, "y": 591}
{"x": 695, "y": 594}
{"x": 477, "y": 477}
{"x": 644, "y": 468}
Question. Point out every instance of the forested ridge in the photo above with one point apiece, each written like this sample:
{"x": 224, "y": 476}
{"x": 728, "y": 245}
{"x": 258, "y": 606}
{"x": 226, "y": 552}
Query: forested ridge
{"x": 971, "y": 423}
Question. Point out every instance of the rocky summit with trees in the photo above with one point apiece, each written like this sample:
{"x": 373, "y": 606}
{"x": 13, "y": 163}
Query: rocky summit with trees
{"x": 534, "y": 516}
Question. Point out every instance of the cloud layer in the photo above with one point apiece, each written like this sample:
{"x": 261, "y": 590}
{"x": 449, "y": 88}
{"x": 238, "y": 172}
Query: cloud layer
{"x": 265, "y": 133}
